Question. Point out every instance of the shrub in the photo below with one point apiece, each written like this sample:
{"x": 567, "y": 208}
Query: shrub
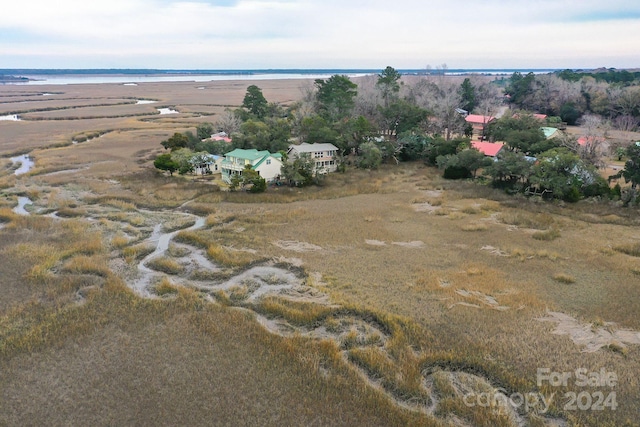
{"x": 457, "y": 172}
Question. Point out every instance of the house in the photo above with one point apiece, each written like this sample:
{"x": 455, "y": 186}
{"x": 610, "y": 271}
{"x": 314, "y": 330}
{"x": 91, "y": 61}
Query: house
{"x": 538, "y": 116}
{"x": 479, "y": 122}
{"x": 550, "y": 132}
{"x": 590, "y": 140}
{"x": 206, "y": 164}
{"x": 324, "y": 155}
{"x": 220, "y": 136}
{"x": 490, "y": 149}
{"x": 268, "y": 165}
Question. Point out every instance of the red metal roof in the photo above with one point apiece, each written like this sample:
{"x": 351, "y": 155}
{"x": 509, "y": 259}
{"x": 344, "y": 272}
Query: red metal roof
{"x": 592, "y": 139}
{"x": 487, "y": 148}
{"x": 221, "y": 138}
{"x": 479, "y": 119}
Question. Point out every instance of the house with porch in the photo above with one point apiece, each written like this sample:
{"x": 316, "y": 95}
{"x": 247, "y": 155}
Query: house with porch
{"x": 268, "y": 165}
{"x": 324, "y": 155}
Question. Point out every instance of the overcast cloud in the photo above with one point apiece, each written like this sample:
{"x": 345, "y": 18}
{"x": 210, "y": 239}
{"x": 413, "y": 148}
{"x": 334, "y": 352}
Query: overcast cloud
{"x": 228, "y": 34}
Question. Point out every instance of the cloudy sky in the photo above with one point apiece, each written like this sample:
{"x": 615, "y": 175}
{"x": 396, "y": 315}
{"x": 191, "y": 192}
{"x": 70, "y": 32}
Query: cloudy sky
{"x": 232, "y": 34}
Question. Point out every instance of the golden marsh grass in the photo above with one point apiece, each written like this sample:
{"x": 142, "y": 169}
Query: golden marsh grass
{"x": 436, "y": 302}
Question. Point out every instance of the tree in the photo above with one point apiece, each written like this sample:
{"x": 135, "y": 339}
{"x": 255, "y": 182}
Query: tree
{"x": 631, "y": 171}
{"x": 413, "y": 146}
{"x": 441, "y": 147}
{"x": 468, "y": 97}
{"x": 520, "y": 88}
{"x": 316, "y": 129}
{"x": 183, "y": 158}
{"x": 370, "y": 156}
{"x": 251, "y": 177}
{"x": 176, "y": 142}
{"x": 301, "y": 171}
{"x": 566, "y": 175}
{"x": 464, "y": 164}
{"x": 570, "y": 113}
{"x": 521, "y": 132}
{"x": 228, "y": 122}
{"x": 389, "y": 84}
{"x": 272, "y": 135}
{"x": 166, "y": 163}
{"x": 355, "y": 132}
{"x": 401, "y": 116}
{"x": 509, "y": 168}
{"x": 444, "y": 102}
{"x": 255, "y": 102}
{"x": 335, "y": 97}
{"x": 204, "y": 131}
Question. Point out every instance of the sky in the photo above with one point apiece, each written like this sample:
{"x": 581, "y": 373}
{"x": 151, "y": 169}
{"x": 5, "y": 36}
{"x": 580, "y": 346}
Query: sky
{"x": 264, "y": 34}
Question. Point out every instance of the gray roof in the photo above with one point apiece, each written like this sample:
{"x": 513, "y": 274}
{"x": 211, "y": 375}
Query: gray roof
{"x": 311, "y": 148}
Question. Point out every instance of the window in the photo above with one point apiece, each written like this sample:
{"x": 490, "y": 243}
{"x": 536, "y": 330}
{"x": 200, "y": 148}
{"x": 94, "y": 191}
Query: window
{"x": 268, "y": 161}
{"x": 318, "y": 154}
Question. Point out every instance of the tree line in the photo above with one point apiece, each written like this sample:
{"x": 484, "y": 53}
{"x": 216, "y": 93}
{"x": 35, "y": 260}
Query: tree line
{"x": 392, "y": 118}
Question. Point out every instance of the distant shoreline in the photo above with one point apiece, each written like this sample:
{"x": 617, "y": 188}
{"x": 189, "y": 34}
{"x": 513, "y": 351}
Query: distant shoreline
{"x": 232, "y": 72}
{"x": 135, "y": 76}
{"x": 11, "y": 76}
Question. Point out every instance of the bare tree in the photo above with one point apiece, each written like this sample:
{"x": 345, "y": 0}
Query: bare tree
{"x": 626, "y": 123}
{"x": 594, "y": 146}
{"x": 368, "y": 99}
{"x": 228, "y": 122}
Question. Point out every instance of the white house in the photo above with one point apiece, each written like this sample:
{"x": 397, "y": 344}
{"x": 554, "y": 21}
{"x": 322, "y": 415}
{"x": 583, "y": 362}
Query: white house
{"x": 206, "y": 163}
{"x": 266, "y": 164}
{"x": 324, "y": 155}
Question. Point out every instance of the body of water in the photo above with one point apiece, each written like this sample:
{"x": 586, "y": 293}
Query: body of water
{"x": 25, "y": 162}
{"x": 133, "y": 77}
{"x": 133, "y": 80}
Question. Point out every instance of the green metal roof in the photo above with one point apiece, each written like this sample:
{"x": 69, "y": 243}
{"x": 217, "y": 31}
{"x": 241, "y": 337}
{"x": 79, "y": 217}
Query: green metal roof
{"x": 250, "y": 155}
{"x": 548, "y": 131}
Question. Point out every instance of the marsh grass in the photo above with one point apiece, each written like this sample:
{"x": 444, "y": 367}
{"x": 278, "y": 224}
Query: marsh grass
{"x": 177, "y": 251}
{"x": 83, "y": 264}
{"x": 120, "y": 240}
{"x": 69, "y": 212}
{"x": 475, "y": 226}
{"x": 228, "y": 258}
{"x": 164, "y": 287}
{"x": 178, "y": 224}
{"x": 564, "y": 278}
{"x": 192, "y": 238}
{"x": 308, "y": 314}
{"x": 546, "y": 235}
{"x": 631, "y": 249}
{"x": 137, "y": 252}
{"x": 503, "y": 346}
{"x": 166, "y": 265}
{"x": 540, "y": 221}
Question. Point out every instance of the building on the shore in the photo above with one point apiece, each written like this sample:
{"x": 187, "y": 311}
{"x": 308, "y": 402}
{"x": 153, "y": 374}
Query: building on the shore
{"x": 323, "y": 154}
{"x": 268, "y": 165}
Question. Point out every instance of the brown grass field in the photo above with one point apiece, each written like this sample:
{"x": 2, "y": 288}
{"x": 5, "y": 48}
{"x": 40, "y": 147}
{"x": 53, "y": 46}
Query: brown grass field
{"x": 380, "y": 298}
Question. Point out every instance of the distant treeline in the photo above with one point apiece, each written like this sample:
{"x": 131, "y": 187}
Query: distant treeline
{"x": 610, "y": 75}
